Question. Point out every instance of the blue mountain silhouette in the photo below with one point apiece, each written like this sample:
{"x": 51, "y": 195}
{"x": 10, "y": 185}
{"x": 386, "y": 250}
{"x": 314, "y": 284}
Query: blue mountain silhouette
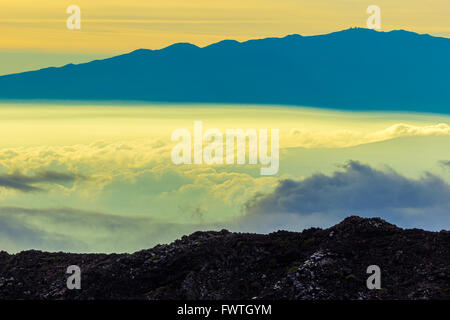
{"x": 356, "y": 69}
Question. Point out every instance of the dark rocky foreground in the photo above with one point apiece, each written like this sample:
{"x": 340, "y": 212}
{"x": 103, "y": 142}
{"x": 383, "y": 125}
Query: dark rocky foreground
{"x": 314, "y": 264}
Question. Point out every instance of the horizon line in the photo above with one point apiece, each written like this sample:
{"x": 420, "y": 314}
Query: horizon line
{"x": 365, "y": 29}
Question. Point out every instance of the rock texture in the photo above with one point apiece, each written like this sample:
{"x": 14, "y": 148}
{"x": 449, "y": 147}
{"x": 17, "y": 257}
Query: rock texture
{"x": 314, "y": 264}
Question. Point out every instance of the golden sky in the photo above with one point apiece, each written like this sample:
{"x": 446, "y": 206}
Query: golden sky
{"x": 34, "y": 32}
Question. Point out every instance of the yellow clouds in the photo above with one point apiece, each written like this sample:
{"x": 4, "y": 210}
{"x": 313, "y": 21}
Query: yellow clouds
{"x": 404, "y": 130}
{"x": 133, "y": 177}
{"x": 349, "y": 138}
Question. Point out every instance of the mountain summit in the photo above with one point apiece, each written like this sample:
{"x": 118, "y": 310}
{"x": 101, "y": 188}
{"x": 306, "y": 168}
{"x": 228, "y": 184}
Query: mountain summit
{"x": 354, "y": 69}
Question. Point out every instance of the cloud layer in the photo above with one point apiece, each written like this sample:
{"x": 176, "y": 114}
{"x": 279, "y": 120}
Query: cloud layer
{"x": 319, "y": 200}
{"x": 110, "y": 186}
{"x": 349, "y": 138}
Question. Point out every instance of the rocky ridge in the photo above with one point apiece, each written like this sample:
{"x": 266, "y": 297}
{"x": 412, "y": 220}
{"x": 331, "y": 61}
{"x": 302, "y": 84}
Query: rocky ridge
{"x": 315, "y": 264}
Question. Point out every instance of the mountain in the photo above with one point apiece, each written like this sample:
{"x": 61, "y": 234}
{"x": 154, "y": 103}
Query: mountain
{"x": 314, "y": 265}
{"x": 354, "y": 69}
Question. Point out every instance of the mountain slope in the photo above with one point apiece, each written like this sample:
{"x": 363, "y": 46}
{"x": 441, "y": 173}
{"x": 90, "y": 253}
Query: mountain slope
{"x": 351, "y": 69}
{"x": 315, "y": 264}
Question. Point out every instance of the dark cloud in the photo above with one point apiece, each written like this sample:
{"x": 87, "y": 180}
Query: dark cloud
{"x": 26, "y": 183}
{"x": 358, "y": 189}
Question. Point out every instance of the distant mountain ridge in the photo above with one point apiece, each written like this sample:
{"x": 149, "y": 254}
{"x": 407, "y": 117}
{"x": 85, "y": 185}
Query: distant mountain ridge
{"x": 354, "y": 69}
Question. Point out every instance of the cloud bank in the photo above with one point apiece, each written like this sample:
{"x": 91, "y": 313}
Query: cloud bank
{"x": 355, "y": 189}
{"x": 348, "y": 138}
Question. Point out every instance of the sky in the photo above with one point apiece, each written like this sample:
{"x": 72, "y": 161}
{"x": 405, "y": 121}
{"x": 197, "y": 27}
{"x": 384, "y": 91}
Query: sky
{"x": 34, "y": 33}
{"x": 98, "y": 178}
